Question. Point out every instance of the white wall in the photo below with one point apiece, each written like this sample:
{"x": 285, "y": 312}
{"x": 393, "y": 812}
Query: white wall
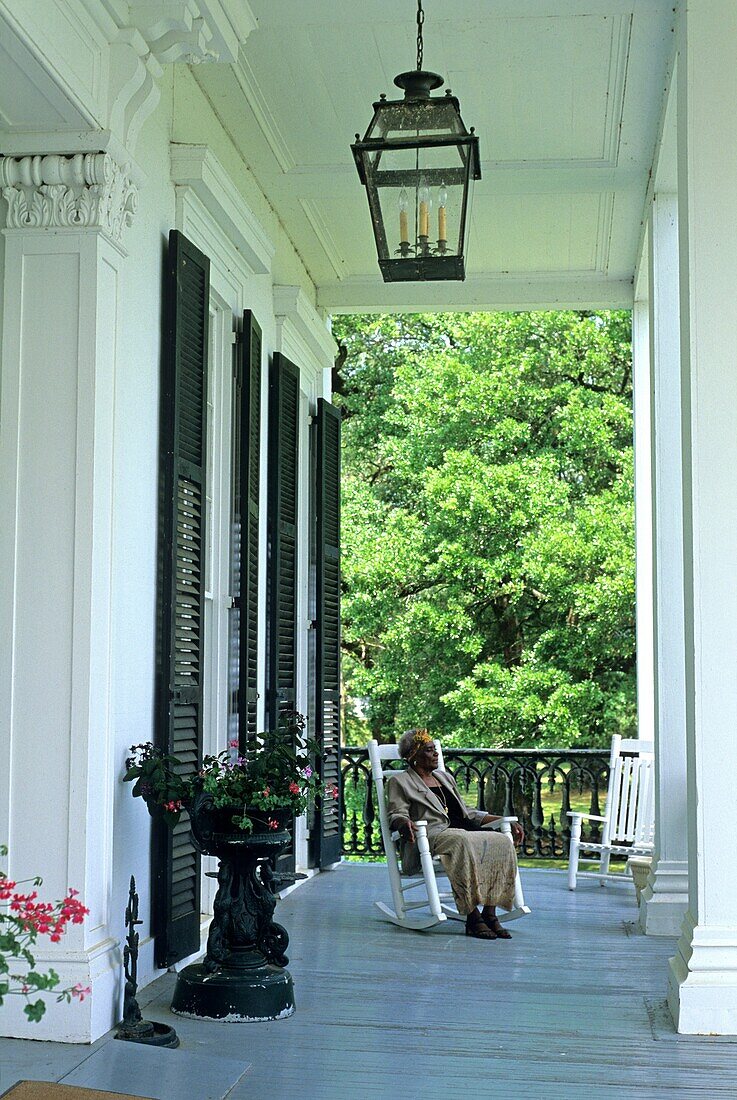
{"x": 130, "y": 346}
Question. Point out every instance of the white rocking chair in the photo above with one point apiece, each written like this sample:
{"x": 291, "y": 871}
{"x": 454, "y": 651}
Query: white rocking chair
{"x": 440, "y": 905}
{"x": 629, "y": 815}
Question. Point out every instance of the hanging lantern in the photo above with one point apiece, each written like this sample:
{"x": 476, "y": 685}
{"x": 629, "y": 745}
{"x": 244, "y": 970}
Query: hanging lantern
{"x": 417, "y": 162}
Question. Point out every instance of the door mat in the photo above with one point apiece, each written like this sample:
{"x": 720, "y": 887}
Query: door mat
{"x": 49, "y": 1090}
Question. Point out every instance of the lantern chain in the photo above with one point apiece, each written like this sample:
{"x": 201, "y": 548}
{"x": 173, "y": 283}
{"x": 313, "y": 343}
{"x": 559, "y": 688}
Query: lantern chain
{"x": 420, "y": 21}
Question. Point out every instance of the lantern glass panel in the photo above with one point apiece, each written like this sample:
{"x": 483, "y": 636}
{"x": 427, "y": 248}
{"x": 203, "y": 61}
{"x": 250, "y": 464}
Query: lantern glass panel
{"x": 416, "y": 119}
{"x": 420, "y": 193}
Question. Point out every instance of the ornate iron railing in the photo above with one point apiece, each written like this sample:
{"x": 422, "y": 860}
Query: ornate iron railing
{"x": 539, "y": 787}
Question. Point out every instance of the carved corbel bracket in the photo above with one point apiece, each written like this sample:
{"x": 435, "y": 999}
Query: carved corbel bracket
{"x": 193, "y": 31}
{"x": 82, "y": 191}
{"x": 163, "y": 32}
{"x": 184, "y": 37}
{"x": 134, "y": 84}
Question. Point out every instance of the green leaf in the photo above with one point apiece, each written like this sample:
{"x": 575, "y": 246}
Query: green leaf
{"x": 35, "y": 1011}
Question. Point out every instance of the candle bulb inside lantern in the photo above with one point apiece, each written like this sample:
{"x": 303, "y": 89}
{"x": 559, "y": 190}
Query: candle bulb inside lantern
{"x": 424, "y": 197}
{"x": 403, "y": 223}
{"x": 442, "y": 222}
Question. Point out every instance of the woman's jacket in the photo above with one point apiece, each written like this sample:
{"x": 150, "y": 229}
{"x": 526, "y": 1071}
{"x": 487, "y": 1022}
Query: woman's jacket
{"x": 408, "y": 797}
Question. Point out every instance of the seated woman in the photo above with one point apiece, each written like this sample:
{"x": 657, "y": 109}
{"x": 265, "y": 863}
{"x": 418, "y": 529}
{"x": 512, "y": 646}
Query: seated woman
{"x": 480, "y": 864}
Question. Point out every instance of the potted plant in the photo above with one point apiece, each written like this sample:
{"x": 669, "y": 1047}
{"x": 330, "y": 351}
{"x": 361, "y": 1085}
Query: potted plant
{"x": 232, "y": 793}
{"x": 239, "y": 808}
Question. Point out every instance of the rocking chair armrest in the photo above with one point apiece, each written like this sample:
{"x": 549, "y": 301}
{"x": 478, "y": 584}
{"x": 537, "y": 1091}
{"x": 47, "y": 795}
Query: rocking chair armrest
{"x": 500, "y": 821}
{"x": 420, "y": 826}
{"x": 589, "y": 817}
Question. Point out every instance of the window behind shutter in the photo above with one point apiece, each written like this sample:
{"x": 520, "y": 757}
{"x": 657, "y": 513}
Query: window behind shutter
{"x": 176, "y": 893}
{"x": 327, "y": 714}
{"x": 244, "y": 538}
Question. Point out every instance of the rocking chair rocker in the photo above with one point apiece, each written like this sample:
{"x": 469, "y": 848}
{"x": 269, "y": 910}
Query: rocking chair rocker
{"x": 440, "y": 905}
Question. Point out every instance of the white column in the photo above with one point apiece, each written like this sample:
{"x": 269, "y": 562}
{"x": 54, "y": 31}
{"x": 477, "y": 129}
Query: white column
{"x": 65, "y": 218}
{"x": 703, "y": 973}
{"x": 643, "y": 521}
{"x": 664, "y": 900}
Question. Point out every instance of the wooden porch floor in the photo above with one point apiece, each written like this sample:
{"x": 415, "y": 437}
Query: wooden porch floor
{"x": 572, "y": 1007}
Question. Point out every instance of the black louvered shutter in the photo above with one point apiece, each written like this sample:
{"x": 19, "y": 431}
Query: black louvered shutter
{"x": 183, "y": 450}
{"x": 244, "y": 538}
{"x": 281, "y": 623}
{"x": 282, "y": 526}
{"x": 327, "y": 672}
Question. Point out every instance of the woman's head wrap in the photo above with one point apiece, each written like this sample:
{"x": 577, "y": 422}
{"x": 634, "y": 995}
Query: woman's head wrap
{"x": 411, "y": 742}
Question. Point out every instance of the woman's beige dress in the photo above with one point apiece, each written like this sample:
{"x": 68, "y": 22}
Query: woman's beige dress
{"x": 481, "y": 866}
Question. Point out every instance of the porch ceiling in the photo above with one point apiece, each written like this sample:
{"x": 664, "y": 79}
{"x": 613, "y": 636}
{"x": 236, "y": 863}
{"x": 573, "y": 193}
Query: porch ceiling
{"x": 566, "y": 96}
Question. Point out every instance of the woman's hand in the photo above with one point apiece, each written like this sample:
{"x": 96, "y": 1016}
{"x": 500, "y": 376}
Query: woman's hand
{"x": 407, "y": 830}
{"x": 518, "y": 833}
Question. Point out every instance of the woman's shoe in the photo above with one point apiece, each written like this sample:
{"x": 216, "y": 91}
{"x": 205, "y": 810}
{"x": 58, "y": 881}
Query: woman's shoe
{"x": 480, "y": 930}
{"x": 497, "y": 928}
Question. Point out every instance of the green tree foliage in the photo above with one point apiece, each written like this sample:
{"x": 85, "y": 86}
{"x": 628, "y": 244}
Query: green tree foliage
{"x": 488, "y": 526}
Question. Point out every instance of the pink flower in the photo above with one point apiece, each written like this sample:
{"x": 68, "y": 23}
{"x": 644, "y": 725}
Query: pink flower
{"x": 6, "y": 888}
{"x": 80, "y": 991}
{"x": 272, "y": 823}
{"x": 333, "y": 791}
{"x": 293, "y": 788}
{"x": 173, "y": 807}
{"x": 307, "y": 772}
{"x": 266, "y": 792}
{"x": 233, "y": 742}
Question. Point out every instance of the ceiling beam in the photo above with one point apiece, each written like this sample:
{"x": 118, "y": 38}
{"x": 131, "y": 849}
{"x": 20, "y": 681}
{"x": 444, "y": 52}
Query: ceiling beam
{"x": 480, "y": 292}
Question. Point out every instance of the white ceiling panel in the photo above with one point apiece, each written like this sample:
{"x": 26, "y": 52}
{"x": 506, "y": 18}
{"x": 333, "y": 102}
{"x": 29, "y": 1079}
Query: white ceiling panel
{"x": 573, "y": 231}
{"x": 565, "y": 96}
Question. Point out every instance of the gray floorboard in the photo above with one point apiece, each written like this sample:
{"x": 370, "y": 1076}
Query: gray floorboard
{"x": 572, "y": 1007}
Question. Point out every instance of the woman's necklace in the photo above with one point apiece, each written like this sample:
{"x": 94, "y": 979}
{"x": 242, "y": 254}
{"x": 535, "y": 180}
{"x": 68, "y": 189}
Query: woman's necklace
{"x": 438, "y": 792}
{"x": 440, "y": 795}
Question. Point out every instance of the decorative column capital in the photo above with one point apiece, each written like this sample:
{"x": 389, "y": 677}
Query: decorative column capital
{"x": 81, "y": 191}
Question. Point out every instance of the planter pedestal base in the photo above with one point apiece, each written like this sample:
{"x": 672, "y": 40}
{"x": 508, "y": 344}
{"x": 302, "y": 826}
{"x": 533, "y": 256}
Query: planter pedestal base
{"x": 243, "y": 976}
{"x": 245, "y": 989}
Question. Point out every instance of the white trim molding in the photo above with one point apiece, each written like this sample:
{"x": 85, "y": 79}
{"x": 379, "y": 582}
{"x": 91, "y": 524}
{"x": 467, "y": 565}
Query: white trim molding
{"x": 196, "y": 167}
{"x": 303, "y": 335}
{"x": 82, "y": 191}
{"x": 538, "y": 290}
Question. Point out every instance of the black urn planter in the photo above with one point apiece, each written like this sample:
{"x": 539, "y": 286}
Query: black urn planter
{"x": 243, "y": 976}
